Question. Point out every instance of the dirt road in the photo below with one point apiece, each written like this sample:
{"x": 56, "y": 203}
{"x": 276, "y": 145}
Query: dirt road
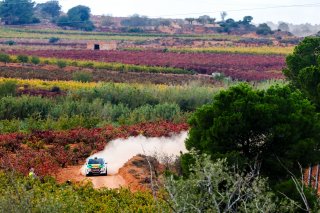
{"x": 73, "y": 174}
{"x": 111, "y": 182}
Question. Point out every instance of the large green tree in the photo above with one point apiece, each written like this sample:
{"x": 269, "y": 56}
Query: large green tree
{"x": 14, "y": 12}
{"x": 51, "y": 8}
{"x": 77, "y": 17}
{"x": 303, "y": 68}
{"x": 277, "y": 129}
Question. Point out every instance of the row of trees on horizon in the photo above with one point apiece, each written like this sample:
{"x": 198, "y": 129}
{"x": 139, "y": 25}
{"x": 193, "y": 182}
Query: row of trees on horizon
{"x": 19, "y": 12}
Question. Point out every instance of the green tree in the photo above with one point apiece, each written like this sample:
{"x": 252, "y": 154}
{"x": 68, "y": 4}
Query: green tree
{"x": 77, "y": 17}
{"x": 283, "y": 27}
{"x": 276, "y": 128}
{"x": 23, "y": 58}
{"x": 303, "y": 68}
{"x": 14, "y": 12}
{"x": 263, "y": 29}
{"x": 190, "y": 20}
{"x": 35, "y": 60}
{"x": 79, "y": 13}
{"x": 247, "y": 20}
{"x": 204, "y": 19}
{"x": 51, "y": 8}
{"x": 5, "y": 58}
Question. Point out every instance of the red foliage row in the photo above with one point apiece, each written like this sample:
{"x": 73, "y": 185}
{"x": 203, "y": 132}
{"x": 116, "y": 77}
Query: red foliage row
{"x": 237, "y": 66}
{"x": 47, "y": 150}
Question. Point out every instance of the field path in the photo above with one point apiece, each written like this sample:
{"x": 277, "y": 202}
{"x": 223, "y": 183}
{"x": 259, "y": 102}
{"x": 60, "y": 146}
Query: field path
{"x": 73, "y": 174}
{"x": 111, "y": 181}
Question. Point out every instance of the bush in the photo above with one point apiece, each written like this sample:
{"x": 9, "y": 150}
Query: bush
{"x": 5, "y": 58}
{"x": 53, "y": 40}
{"x": 263, "y": 29}
{"x": 135, "y": 30}
{"x": 23, "y": 58}
{"x": 10, "y": 42}
{"x": 35, "y": 60}
{"x": 8, "y": 88}
{"x": 19, "y": 194}
{"x": 55, "y": 89}
{"x": 61, "y": 63}
{"x": 24, "y": 107}
{"x": 212, "y": 185}
{"x": 35, "y": 20}
{"x": 87, "y": 65}
{"x": 82, "y": 76}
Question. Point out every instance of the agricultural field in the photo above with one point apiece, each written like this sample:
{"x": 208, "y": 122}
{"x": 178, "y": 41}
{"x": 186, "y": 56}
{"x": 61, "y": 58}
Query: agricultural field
{"x": 264, "y": 50}
{"x": 20, "y": 33}
{"x": 249, "y": 67}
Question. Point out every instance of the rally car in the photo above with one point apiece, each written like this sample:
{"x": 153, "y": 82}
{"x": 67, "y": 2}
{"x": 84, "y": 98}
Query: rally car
{"x": 96, "y": 166}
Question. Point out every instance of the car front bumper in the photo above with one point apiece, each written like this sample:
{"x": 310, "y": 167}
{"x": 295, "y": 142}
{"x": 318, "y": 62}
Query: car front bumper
{"x": 96, "y": 171}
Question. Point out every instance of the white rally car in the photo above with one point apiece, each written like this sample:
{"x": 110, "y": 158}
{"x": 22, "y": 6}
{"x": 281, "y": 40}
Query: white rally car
{"x": 96, "y": 166}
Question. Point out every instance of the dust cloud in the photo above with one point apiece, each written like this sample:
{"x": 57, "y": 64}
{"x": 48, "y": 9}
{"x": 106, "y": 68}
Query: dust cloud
{"x": 119, "y": 151}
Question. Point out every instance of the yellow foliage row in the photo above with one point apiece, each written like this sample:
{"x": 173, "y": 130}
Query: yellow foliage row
{"x": 75, "y": 85}
{"x": 42, "y": 84}
{"x": 240, "y": 49}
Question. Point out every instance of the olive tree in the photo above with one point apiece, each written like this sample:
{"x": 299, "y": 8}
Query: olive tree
{"x": 214, "y": 187}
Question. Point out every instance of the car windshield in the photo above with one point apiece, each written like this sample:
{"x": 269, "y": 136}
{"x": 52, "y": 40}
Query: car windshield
{"x": 95, "y": 161}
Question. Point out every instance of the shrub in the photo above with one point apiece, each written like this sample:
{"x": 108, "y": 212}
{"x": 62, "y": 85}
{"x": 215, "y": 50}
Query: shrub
{"x": 56, "y": 89}
{"x": 218, "y": 76}
{"x": 61, "y": 63}
{"x": 8, "y": 88}
{"x": 23, "y": 58}
{"x": 24, "y": 107}
{"x": 88, "y": 65}
{"x": 82, "y": 76}
{"x": 53, "y": 40}
{"x": 19, "y": 194}
{"x": 212, "y": 185}
{"x": 46, "y": 62}
{"x": 263, "y": 29}
{"x": 10, "y": 42}
{"x": 5, "y": 58}
{"x": 35, "y": 60}
{"x": 74, "y": 63}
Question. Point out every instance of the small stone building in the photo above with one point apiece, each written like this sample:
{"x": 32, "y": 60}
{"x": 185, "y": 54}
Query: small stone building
{"x": 102, "y": 45}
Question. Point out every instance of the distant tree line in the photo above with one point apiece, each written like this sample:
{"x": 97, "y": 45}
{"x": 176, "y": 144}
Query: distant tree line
{"x": 17, "y": 12}
{"x": 229, "y": 25}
